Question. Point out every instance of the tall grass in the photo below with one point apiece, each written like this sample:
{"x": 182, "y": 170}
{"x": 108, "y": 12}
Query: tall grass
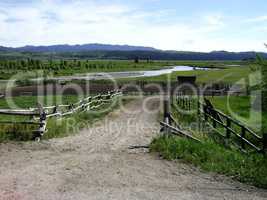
{"x": 210, "y": 156}
{"x": 59, "y": 127}
{"x": 74, "y": 123}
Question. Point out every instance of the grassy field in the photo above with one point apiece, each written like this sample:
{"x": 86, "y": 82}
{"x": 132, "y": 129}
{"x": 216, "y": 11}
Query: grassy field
{"x": 56, "y": 127}
{"x": 229, "y": 75}
{"x": 70, "y": 67}
{"x": 210, "y": 156}
{"x": 26, "y": 102}
{"x": 240, "y": 108}
{"x": 31, "y": 101}
{"x": 228, "y": 71}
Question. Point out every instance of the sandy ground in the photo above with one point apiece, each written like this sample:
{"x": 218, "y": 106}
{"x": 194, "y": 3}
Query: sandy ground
{"x": 97, "y": 164}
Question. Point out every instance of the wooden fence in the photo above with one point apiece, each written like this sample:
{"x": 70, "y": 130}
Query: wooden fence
{"x": 41, "y": 114}
{"x": 171, "y": 126}
{"x": 185, "y": 102}
{"x": 228, "y": 128}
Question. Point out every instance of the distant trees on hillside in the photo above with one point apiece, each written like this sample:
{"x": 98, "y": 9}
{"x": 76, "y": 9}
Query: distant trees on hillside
{"x": 66, "y": 65}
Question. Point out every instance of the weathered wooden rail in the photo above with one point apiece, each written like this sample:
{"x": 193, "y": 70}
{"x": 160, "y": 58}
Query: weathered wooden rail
{"x": 170, "y": 125}
{"x": 228, "y": 128}
{"x": 41, "y": 114}
{"x": 233, "y": 129}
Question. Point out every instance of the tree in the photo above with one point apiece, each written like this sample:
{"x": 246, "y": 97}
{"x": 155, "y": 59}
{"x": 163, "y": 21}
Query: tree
{"x": 23, "y": 64}
{"x": 79, "y": 64}
{"x": 263, "y": 63}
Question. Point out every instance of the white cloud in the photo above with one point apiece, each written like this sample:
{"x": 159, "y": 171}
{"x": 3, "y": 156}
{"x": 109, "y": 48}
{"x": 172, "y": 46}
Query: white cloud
{"x": 79, "y": 22}
{"x": 258, "y": 19}
{"x": 214, "y": 20}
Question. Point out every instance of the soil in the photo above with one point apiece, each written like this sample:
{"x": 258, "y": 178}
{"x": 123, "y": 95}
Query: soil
{"x": 97, "y": 163}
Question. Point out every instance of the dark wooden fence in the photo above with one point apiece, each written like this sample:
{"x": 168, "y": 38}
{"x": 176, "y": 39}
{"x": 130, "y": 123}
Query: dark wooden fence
{"x": 185, "y": 102}
{"x": 169, "y": 126}
{"x": 41, "y": 114}
{"x": 228, "y": 128}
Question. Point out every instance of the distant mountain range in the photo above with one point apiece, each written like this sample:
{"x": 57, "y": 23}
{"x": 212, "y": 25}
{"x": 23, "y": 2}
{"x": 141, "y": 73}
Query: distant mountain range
{"x": 78, "y": 48}
{"x": 105, "y": 51}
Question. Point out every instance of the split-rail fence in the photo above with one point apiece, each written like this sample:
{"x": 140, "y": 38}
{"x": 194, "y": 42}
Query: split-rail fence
{"x": 41, "y": 114}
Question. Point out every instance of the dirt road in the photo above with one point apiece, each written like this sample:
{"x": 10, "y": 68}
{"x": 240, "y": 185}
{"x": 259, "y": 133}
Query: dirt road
{"x": 97, "y": 164}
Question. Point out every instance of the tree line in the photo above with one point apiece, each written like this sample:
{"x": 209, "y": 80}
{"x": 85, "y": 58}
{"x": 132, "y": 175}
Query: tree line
{"x": 35, "y": 64}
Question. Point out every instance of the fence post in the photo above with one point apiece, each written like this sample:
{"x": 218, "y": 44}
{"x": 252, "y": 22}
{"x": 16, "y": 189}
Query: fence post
{"x": 189, "y": 104}
{"x": 214, "y": 123}
{"x": 171, "y": 98}
{"x": 167, "y": 115}
{"x": 264, "y": 140}
{"x": 166, "y": 111}
{"x": 55, "y": 109}
{"x": 199, "y": 114}
{"x": 205, "y": 112}
{"x": 228, "y": 132}
{"x": 108, "y": 97}
{"x": 71, "y": 106}
{"x": 243, "y": 134}
{"x": 42, "y": 126}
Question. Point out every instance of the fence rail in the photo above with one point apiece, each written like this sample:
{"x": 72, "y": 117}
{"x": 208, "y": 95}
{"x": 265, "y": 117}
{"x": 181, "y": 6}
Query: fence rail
{"x": 229, "y": 128}
{"x": 41, "y": 114}
{"x": 30, "y": 112}
{"x": 232, "y": 127}
{"x": 171, "y": 126}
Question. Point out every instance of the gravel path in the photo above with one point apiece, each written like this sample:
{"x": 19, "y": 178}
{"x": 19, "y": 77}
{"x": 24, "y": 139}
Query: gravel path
{"x": 97, "y": 164}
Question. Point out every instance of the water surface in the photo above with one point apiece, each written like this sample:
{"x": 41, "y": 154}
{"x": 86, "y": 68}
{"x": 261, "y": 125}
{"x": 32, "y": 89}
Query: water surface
{"x": 127, "y": 74}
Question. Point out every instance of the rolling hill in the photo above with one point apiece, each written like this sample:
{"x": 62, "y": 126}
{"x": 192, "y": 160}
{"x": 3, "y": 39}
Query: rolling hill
{"x": 106, "y": 51}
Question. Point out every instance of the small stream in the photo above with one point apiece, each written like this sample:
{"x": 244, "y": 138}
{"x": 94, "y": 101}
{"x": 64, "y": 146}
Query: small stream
{"x": 118, "y": 75}
{"x": 127, "y": 74}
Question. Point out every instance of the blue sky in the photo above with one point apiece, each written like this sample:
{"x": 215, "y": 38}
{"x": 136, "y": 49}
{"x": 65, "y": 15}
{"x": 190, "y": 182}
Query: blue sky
{"x": 206, "y": 25}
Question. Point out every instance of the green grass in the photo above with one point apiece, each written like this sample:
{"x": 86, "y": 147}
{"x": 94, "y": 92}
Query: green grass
{"x": 215, "y": 158}
{"x": 238, "y": 104}
{"x": 57, "y": 127}
{"x": 240, "y": 111}
{"x": 88, "y": 66}
{"x": 229, "y": 75}
{"x": 240, "y": 108}
{"x": 237, "y": 107}
{"x": 215, "y": 154}
{"x": 226, "y": 74}
{"x": 26, "y": 102}
{"x": 71, "y": 125}
{"x": 31, "y": 101}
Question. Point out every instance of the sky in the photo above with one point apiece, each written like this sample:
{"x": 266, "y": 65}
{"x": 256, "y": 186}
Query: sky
{"x": 183, "y": 25}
